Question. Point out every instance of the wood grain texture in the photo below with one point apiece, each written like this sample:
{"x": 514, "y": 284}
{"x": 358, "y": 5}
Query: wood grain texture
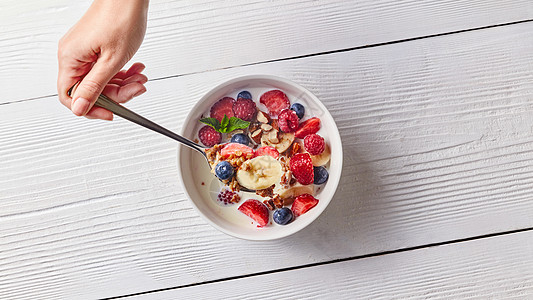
{"x": 493, "y": 268}
{"x": 186, "y": 37}
{"x": 437, "y": 145}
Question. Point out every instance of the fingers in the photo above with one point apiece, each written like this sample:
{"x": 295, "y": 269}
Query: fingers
{"x": 120, "y": 94}
{"x": 141, "y": 78}
{"x": 92, "y": 85}
{"x": 135, "y": 68}
{"x": 123, "y": 94}
{"x": 99, "y": 113}
{"x": 67, "y": 77}
{"x": 125, "y": 85}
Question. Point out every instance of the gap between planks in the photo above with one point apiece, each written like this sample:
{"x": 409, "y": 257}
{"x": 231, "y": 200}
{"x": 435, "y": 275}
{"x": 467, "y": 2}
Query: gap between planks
{"x": 334, "y": 261}
{"x": 313, "y": 54}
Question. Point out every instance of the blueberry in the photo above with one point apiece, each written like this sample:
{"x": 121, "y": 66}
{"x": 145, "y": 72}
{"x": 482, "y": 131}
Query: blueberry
{"x": 245, "y": 95}
{"x": 224, "y": 170}
{"x": 240, "y": 138}
{"x": 321, "y": 175}
{"x": 298, "y": 109}
{"x": 282, "y": 216}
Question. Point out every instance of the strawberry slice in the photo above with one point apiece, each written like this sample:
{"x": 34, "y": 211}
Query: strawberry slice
{"x": 302, "y": 168}
{"x": 308, "y": 127}
{"x": 237, "y": 150}
{"x": 303, "y": 204}
{"x": 222, "y": 107}
{"x": 267, "y": 150}
{"x": 275, "y": 101}
{"x": 256, "y": 210}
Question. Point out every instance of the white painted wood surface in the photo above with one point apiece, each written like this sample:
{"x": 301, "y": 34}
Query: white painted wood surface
{"x": 437, "y": 143}
{"x": 492, "y": 268}
{"x": 186, "y": 37}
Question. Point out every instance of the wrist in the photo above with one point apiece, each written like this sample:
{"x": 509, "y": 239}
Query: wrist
{"x": 139, "y": 6}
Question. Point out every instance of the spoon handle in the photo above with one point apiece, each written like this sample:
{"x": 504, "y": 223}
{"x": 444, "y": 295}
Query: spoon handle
{"x": 119, "y": 110}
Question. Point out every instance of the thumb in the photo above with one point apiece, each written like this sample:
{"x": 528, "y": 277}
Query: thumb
{"x": 91, "y": 86}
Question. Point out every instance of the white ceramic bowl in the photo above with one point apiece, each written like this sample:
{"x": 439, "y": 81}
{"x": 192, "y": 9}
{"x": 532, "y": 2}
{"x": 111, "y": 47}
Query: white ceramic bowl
{"x": 202, "y": 187}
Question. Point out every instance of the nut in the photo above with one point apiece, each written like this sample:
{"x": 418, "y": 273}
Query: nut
{"x": 266, "y": 127}
{"x": 256, "y": 136}
{"x": 270, "y": 204}
{"x": 268, "y": 192}
{"x": 234, "y": 185}
{"x": 278, "y": 202}
{"x": 273, "y": 136}
{"x": 284, "y": 161}
{"x": 263, "y": 117}
{"x": 254, "y": 126}
{"x": 293, "y": 150}
{"x": 275, "y": 124}
{"x": 293, "y": 181}
{"x": 286, "y": 179}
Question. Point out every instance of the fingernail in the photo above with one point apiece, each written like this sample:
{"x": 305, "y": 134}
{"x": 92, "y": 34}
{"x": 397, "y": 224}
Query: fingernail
{"x": 80, "y": 106}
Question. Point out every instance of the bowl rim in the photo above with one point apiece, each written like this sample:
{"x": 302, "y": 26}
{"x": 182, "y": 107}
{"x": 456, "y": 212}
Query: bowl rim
{"x": 289, "y": 229}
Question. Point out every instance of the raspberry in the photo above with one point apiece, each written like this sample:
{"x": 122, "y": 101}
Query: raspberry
{"x": 288, "y": 120}
{"x": 275, "y": 101}
{"x": 222, "y": 107}
{"x": 314, "y": 144}
{"x": 209, "y": 136}
{"x": 244, "y": 109}
{"x": 302, "y": 168}
{"x": 228, "y": 197}
{"x": 308, "y": 127}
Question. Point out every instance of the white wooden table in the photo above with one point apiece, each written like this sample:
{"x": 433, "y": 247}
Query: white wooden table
{"x": 434, "y": 102}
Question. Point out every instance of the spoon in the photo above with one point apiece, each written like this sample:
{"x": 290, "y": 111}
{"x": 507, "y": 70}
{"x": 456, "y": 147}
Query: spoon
{"x": 105, "y": 102}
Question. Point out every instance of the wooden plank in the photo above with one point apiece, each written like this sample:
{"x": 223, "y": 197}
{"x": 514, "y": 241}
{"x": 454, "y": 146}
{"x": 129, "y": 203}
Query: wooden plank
{"x": 493, "y": 268}
{"x": 437, "y": 145}
{"x": 186, "y": 37}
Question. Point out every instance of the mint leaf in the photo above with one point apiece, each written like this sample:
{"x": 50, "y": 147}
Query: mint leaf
{"x": 224, "y": 124}
{"x": 236, "y": 123}
{"x": 227, "y": 124}
{"x": 211, "y": 122}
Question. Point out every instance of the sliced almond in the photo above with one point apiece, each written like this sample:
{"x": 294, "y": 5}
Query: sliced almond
{"x": 254, "y": 126}
{"x": 266, "y": 127}
{"x": 256, "y": 136}
{"x": 273, "y": 136}
{"x": 285, "y": 141}
{"x": 263, "y": 117}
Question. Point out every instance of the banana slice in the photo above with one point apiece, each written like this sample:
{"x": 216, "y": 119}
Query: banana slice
{"x": 293, "y": 191}
{"x": 322, "y": 158}
{"x": 285, "y": 140}
{"x": 259, "y": 173}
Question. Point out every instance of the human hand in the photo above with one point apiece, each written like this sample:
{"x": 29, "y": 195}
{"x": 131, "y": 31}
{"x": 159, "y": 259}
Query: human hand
{"x": 124, "y": 86}
{"x": 94, "y": 50}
